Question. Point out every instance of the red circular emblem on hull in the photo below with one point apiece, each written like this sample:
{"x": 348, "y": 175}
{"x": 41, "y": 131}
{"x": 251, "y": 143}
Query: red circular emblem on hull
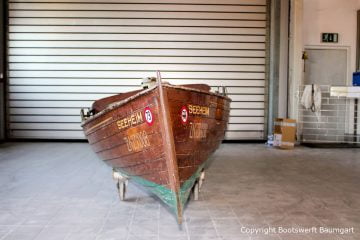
{"x": 184, "y": 115}
{"x": 148, "y": 116}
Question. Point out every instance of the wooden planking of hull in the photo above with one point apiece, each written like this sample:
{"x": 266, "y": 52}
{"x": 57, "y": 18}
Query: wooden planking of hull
{"x": 160, "y": 137}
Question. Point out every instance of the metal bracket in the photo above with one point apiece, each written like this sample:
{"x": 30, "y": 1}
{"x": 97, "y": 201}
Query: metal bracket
{"x": 85, "y": 113}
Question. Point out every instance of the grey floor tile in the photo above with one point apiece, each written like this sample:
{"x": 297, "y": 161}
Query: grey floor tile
{"x": 9, "y": 217}
{"x": 149, "y": 213}
{"x": 197, "y": 211}
{"x": 115, "y": 234}
{"x": 119, "y": 221}
{"x": 252, "y": 220}
{"x": 41, "y": 216}
{"x": 84, "y": 233}
{"x": 54, "y": 233}
{"x": 23, "y": 233}
{"x": 224, "y": 211}
{"x": 202, "y": 233}
{"x": 173, "y": 237}
{"x": 5, "y": 230}
{"x": 299, "y": 237}
{"x": 172, "y": 230}
{"x": 228, "y": 227}
{"x": 137, "y": 229}
{"x": 140, "y": 237}
{"x": 195, "y": 222}
{"x": 201, "y": 227}
{"x": 204, "y": 237}
{"x": 238, "y": 237}
{"x": 267, "y": 237}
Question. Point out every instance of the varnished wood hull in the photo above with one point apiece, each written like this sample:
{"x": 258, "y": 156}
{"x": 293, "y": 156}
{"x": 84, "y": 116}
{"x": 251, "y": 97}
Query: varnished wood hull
{"x": 161, "y": 138}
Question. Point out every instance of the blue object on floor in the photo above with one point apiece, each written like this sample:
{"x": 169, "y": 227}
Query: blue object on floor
{"x": 356, "y": 79}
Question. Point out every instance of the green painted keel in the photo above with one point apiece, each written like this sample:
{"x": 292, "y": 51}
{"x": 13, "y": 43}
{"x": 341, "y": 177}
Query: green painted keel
{"x": 166, "y": 195}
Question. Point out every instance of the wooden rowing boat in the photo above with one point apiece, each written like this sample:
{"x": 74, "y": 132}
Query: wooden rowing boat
{"x": 159, "y": 137}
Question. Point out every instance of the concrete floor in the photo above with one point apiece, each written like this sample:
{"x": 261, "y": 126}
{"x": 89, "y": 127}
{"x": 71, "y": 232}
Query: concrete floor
{"x": 62, "y": 191}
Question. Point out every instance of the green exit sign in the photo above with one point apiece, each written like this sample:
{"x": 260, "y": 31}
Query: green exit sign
{"x": 330, "y": 37}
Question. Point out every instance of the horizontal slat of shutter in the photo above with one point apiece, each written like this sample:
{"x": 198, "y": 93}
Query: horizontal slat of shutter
{"x": 45, "y": 126}
{"x": 78, "y": 15}
{"x": 122, "y": 33}
{"x": 85, "y": 25}
{"x": 128, "y": 40}
{"x": 139, "y": 7}
{"x": 134, "y": 67}
{"x": 133, "y": 74}
{"x": 48, "y": 134}
{"x": 49, "y": 104}
{"x": 137, "y": 52}
{"x": 207, "y": 2}
{"x": 43, "y": 119}
{"x": 127, "y": 81}
{"x": 113, "y": 90}
{"x": 136, "y": 60}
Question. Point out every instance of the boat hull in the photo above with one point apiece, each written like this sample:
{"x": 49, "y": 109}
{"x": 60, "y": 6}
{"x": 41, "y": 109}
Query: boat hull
{"x": 161, "y": 138}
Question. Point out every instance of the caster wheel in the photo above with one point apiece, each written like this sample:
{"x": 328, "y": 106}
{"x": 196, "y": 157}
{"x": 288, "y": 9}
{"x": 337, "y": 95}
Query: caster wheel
{"x": 201, "y": 179}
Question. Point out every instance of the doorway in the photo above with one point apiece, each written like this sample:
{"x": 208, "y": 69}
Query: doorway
{"x": 326, "y": 67}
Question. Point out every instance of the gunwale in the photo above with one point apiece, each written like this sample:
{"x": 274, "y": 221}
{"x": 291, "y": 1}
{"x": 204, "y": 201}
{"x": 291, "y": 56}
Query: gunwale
{"x": 144, "y": 92}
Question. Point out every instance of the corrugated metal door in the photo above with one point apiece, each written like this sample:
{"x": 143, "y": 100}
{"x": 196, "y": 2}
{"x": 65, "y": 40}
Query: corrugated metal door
{"x": 65, "y": 54}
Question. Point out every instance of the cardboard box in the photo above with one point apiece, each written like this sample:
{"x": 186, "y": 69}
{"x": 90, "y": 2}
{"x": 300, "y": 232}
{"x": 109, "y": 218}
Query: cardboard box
{"x": 285, "y": 133}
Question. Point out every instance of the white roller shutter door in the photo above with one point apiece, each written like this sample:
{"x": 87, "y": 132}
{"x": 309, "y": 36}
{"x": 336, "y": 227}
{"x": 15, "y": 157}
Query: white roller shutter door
{"x": 65, "y": 54}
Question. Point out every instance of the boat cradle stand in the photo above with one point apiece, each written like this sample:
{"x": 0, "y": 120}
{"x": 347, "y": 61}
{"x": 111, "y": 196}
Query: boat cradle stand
{"x": 122, "y": 181}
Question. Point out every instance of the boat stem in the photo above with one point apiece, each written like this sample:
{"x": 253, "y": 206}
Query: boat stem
{"x": 169, "y": 147}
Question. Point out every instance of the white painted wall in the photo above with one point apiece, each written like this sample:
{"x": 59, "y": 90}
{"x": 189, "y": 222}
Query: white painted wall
{"x": 337, "y": 16}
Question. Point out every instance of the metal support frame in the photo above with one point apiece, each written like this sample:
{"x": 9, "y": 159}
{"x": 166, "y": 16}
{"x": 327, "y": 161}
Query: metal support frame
{"x": 356, "y": 101}
{"x": 330, "y": 127}
{"x": 356, "y": 113}
{"x": 273, "y": 64}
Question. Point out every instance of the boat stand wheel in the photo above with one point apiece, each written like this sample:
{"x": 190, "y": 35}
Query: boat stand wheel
{"x": 121, "y": 186}
{"x": 201, "y": 179}
{"x": 196, "y": 190}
